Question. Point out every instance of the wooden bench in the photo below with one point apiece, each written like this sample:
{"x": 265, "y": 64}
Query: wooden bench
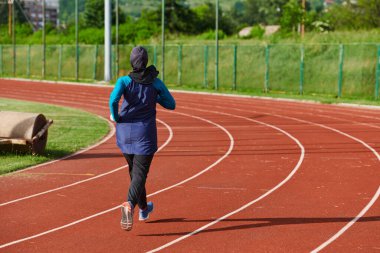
{"x": 23, "y": 132}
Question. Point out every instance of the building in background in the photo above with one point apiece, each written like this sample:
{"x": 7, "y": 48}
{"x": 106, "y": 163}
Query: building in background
{"x": 33, "y": 9}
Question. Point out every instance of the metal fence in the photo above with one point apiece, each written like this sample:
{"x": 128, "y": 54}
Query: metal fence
{"x": 351, "y": 70}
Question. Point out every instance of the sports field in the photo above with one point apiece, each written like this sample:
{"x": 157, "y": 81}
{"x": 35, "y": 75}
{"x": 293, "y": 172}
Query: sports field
{"x": 233, "y": 174}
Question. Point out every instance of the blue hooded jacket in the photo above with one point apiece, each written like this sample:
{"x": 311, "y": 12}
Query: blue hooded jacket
{"x": 136, "y": 130}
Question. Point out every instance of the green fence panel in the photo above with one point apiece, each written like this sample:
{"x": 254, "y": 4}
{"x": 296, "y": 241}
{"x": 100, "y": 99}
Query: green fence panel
{"x": 52, "y": 61}
{"x": 226, "y": 67}
{"x": 7, "y": 60}
{"x": 68, "y": 62}
{"x": 292, "y": 68}
{"x": 86, "y": 66}
{"x": 124, "y": 62}
{"x": 193, "y": 66}
{"x": 21, "y": 60}
{"x": 100, "y": 63}
{"x": 36, "y": 52}
{"x": 171, "y": 64}
{"x": 321, "y": 69}
{"x": 359, "y": 70}
{"x": 284, "y": 68}
{"x": 251, "y": 68}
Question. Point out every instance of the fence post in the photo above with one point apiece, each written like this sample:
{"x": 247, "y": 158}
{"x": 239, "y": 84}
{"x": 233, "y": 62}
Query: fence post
{"x": 1, "y": 60}
{"x": 28, "y": 62}
{"x": 76, "y": 41}
{"x": 377, "y": 73}
{"x": 14, "y": 40}
{"x": 205, "y": 83}
{"x": 302, "y": 63}
{"x": 340, "y": 78}
{"x": 155, "y": 55}
{"x": 95, "y": 60}
{"x": 235, "y": 67}
{"x": 60, "y": 62}
{"x": 267, "y": 68}
{"x": 179, "y": 64}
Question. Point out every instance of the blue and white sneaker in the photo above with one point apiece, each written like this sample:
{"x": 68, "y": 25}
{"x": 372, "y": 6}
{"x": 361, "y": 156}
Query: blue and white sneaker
{"x": 144, "y": 214}
{"x": 126, "y": 216}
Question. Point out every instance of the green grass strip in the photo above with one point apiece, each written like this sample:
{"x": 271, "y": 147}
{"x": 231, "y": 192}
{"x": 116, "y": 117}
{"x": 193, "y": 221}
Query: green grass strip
{"x": 72, "y": 130}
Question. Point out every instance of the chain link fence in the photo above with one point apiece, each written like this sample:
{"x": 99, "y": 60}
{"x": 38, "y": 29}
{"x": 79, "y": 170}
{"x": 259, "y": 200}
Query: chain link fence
{"x": 347, "y": 70}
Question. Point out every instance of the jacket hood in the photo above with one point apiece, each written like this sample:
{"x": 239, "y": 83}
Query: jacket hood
{"x": 144, "y": 76}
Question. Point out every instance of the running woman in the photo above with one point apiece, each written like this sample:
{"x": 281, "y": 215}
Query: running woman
{"x": 136, "y": 131}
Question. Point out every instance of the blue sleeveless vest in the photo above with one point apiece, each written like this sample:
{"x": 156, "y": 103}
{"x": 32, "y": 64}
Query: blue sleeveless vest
{"x": 136, "y": 130}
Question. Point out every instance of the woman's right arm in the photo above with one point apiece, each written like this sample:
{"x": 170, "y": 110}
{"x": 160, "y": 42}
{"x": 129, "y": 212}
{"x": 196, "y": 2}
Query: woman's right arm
{"x": 115, "y": 98}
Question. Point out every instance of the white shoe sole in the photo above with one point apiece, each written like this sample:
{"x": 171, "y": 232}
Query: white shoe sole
{"x": 126, "y": 218}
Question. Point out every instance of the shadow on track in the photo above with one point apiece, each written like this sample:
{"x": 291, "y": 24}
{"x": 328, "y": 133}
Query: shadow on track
{"x": 254, "y": 223}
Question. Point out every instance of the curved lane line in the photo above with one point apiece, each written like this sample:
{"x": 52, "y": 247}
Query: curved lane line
{"x": 92, "y": 178}
{"x": 290, "y": 175}
{"x": 348, "y": 225}
{"x": 375, "y": 196}
{"x": 152, "y": 194}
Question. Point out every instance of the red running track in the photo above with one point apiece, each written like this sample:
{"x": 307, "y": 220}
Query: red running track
{"x": 233, "y": 174}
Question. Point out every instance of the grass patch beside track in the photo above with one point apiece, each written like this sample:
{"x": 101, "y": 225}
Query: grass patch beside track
{"x": 72, "y": 130}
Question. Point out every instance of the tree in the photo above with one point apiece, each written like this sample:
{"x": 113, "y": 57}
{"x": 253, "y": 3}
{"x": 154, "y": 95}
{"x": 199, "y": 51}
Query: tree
{"x": 291, "y": 16}
{"x": 179, "y": 17}
{"x": 67, "y": 10}
{"x": 205, "y": 19}
{"x": 94, "y": 14}
{"x": 251, "y": 12}
{"x": 19, "y": 16}
{"x": 363, "y": 14}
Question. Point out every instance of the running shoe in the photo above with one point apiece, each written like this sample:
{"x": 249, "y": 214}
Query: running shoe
{"x": 126, "y": 216}
{"x": 144, "y": 214}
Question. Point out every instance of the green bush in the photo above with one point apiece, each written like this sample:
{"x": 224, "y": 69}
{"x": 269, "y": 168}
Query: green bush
{"x": 257, "y": 32}
{"x": 210, "y": 35}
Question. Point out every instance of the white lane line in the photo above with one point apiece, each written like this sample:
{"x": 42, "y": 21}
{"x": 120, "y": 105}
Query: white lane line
{"x": 92, "y": 178}
{"x": 348, "y": 225}
{"x": 152, "y": 194}
{"x": 290, "y": 175}
{"x": 109, "y": 135}
{"x": 375, "y": 196}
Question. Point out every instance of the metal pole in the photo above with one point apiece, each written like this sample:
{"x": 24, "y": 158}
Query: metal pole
{"x": 14, "y": 39}
{"x": 235, "y": 68}
{"x": 96, "y": 60}
{"x": 163, "y": 40}
{"x": 179, "y": 64}
{"x": 107, "y": 41}
{"x": 266, "y": 85}
{"x": 340, "y": 74}
{"x": 28, "y": 62}
{"x": 117, "y": 38}
{"x": 76, "y": 41}
{"x": 43, "y": 39}
{"x": 155, "y": 55}
{"x": 303, "y": 19}
{"x": 10, "y": 19}
{"x": 217, "y": 45}
{"x": 377, "y": 73}
{"x": 60, "y": 62}
{"x": 302, "y": 63}
{"x": 1, "y": 60}
{"x": 205, "y": 83}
